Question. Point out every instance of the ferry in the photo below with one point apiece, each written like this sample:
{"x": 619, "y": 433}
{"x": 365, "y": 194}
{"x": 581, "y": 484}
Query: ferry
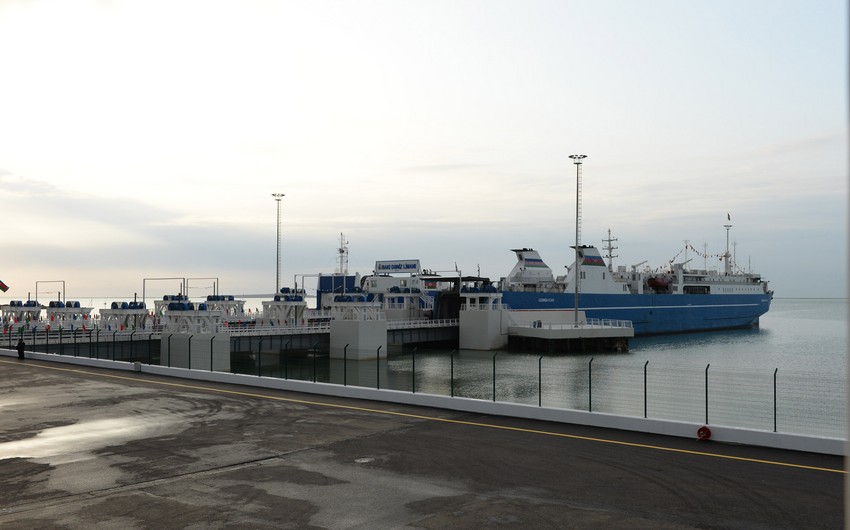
{"x": 675, "y": 300}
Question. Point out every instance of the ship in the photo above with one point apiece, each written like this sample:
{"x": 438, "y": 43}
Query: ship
{"x": 672, "y": 299}
{"x": 675, "y": 300}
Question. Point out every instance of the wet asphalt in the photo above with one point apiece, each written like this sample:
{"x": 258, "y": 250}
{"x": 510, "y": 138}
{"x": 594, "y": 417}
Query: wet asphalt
{"x": 91, "y": 448}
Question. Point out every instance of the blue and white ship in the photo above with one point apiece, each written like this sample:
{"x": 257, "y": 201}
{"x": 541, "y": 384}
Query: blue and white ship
{"x": 677, "y": 300}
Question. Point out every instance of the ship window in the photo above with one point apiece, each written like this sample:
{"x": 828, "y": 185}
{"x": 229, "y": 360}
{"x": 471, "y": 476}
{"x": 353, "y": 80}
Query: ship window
{"x": 582, "y": 275}
{"x": 603, "y": 275}
{"x": 374, "y": 283}
{"x": 404, "y": 283}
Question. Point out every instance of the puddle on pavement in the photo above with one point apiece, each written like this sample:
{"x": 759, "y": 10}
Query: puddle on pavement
{"x": 71, "y": 443}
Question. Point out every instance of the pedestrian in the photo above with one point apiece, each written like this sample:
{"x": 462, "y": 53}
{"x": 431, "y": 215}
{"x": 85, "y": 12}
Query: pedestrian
{"x": 21, "y": 346}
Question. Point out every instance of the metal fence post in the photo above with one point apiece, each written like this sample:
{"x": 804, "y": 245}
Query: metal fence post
{"x": 774, "y": 399}
{"x": 96, "y": 345}
{"x": 413, "y": 372}
{"x": 590, "y": 385}
{"x": 706, "y": 393}
{"x": 345, "y": 366}
{"x": 189, "y": 352}
{"x": 260, "y": 358}
{"x": 114, "y": 347}
{"x": 540, "y": 381}
{"x": 378, "y": 366}
{"x": 46, "y": 341}
{"x": 131, "y": 343}
{"x": 212, "y": 342}
{"x": 314, "y": 361}
{"x": 285, "y": 367}
{"x": 452, "y": 380}
{"x": 169, "y": 350}
{"x": 644, "y": 389}
{"x": 494, "y": 375}
{"x": 150, "y": 348}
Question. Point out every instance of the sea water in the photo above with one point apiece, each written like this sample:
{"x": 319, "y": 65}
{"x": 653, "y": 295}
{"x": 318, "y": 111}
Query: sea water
{"x": 789, "y": 374}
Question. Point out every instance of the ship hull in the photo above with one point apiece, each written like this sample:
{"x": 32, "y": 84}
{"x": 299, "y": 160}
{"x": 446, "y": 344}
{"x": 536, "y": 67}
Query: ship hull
{"x": 654, "y": 314}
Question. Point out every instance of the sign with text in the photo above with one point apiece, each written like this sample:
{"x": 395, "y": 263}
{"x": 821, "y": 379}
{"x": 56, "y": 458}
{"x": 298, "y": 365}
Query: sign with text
{"x": 403, "y": 265}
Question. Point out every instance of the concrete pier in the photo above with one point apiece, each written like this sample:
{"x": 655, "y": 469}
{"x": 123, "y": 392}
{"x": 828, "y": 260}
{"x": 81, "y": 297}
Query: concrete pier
{"x": 137, "y": 450}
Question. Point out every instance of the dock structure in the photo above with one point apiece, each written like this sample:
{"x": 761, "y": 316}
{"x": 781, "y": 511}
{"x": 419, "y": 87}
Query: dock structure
{"x": 124, "y": 315}
{"x": 20, "y": 312}
{"x": 488, "y": 324}
{"x": 587, "y": 335}
{"x": 353, "y": 326}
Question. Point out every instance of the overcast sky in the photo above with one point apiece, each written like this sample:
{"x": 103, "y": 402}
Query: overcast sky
{"x": 144, "y": 138}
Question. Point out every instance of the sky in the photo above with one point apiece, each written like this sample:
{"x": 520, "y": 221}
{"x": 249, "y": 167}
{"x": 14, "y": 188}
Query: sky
{"x": 143, "y": 139}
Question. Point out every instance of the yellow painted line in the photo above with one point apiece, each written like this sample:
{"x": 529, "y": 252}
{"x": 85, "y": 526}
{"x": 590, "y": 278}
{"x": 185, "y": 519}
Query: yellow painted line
{"x": 435, "y": 418}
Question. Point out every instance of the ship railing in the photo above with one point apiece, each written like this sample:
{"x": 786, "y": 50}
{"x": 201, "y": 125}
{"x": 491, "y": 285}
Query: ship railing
{"x": 421, "y": 323}
{"x": 585, "y": 323}
{"x": 427, "y": 300}
{"x": 270, "y": 329}
{"x": 485, "y": 307}
{"x": 397, "y": 305}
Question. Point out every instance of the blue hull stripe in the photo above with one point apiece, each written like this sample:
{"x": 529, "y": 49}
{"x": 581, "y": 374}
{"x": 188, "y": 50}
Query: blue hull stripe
{"x": 654, "y": 314}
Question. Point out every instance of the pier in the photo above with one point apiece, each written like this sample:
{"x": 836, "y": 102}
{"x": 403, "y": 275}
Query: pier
{"x": 211, "y": 335}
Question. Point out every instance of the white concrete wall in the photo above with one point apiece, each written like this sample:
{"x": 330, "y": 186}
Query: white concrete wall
{"x": 363, "y": 338}
{"x": 482, "y": 330}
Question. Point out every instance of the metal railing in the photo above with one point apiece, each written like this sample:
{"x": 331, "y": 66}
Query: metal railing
{"x": 769, "y": 399}
{"x": 421, "y": 324}
{"x": 586, "y": 323}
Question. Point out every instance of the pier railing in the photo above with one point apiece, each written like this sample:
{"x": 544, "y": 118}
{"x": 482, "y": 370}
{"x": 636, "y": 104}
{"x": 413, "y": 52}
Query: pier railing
{"x": 586, "y": 323}
{"x": 769, "y": 399}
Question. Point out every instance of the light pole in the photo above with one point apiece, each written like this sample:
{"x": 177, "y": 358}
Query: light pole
{"x": 577, "y": 161}
{"x": 727, "y": 267}
{"x": 277, "y": 198}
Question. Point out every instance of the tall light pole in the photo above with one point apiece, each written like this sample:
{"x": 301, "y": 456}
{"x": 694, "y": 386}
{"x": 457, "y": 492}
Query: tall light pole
{"x": 577, "y": 161}
{"x": 727, "y": 268}
{"x": 277, "y": 198}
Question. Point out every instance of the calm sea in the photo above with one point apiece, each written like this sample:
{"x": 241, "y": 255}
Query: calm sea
{"x": 788, "y": 375}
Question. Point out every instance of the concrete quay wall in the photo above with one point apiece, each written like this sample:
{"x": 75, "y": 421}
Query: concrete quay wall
{"x": 719, "y": 433}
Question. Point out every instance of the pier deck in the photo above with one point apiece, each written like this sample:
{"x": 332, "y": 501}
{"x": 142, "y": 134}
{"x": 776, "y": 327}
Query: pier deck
{"x": 84, "y": 447}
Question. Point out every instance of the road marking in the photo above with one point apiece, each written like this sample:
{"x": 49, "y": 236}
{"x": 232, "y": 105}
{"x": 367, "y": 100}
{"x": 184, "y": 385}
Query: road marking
{"x": 432, "y": 418}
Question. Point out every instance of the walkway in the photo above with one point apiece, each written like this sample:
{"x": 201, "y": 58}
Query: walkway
{"x": 83, "y": 448}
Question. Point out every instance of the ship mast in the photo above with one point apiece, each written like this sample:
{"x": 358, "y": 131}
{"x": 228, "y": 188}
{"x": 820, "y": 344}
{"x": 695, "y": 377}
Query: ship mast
{"x": 342, "y": 258}
{"x": 608, "y": 249}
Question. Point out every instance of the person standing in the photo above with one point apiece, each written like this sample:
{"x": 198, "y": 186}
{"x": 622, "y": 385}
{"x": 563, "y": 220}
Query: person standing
{"x": 21, "y": 346}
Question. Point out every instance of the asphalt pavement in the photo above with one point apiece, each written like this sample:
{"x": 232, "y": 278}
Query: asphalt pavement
{"x": 92, "y": 448}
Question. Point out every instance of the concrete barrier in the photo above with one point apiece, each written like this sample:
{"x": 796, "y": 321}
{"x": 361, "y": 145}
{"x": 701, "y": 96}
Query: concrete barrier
{"x": 719, "y": 433}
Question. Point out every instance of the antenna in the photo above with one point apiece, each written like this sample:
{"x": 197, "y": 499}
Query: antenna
{"x": 342, "y": 258}
{"x": 608, "y": 249}
{"x": 735, "y": 254}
